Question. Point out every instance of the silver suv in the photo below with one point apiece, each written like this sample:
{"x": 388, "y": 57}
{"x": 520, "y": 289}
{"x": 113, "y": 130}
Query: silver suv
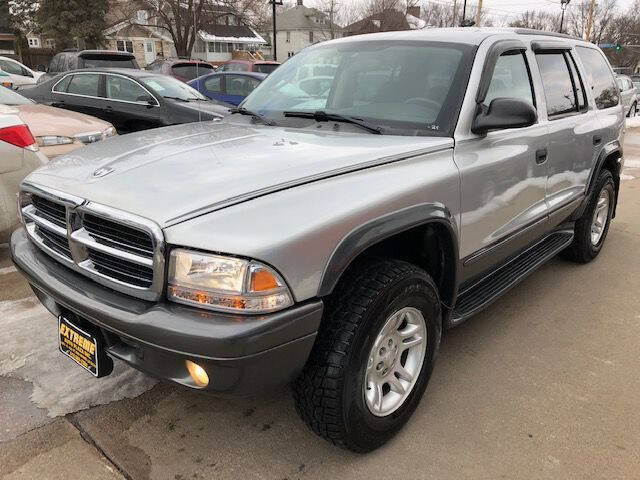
{"x": 327, "y": 236}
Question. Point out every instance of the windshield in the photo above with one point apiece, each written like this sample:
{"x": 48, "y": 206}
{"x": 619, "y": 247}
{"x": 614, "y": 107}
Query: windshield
{"x": 169, "y": 87}
{"x": 9, "y": 97}
{"x": 408, "y": 88}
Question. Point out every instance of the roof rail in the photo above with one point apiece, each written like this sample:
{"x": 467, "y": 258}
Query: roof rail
{"x": 531, "y": 31}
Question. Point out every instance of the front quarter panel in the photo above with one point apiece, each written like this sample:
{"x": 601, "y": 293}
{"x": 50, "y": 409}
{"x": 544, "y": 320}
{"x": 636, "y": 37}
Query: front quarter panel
{"x": 297, "y": 230}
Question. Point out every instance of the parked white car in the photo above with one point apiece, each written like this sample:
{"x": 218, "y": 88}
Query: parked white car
{"x": 20, "y": 74}
{"x": 629, "y": 96}
{"x": 19, "y": 156}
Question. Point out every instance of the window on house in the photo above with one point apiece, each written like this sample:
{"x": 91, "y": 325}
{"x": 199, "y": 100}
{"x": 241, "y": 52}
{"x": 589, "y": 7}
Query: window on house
{"x": 288, "y": 36}
{"x": 311, "y": 36}
{"x": 50, "y": 43}
{"x": 142, "y": 16}
{"x": 290, "y": 54}
{"x": 34, "y": 42}
{"x": 124, "y": 46}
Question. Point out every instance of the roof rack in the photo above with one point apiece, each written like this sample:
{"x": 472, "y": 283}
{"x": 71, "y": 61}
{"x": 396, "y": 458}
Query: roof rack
{"x": 531, "y": 31}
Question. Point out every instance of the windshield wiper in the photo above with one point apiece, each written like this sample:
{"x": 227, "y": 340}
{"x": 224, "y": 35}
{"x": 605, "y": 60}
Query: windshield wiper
{"x": 321, "y": 116}
{"x": 255, "y": 115}
{"x": 176, "y": 98}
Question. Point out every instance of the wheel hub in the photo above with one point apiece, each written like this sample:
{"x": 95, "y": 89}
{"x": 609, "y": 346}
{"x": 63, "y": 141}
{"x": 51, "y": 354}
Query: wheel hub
{"x": 600, "y": 217}
{"x": 395, "y": 361}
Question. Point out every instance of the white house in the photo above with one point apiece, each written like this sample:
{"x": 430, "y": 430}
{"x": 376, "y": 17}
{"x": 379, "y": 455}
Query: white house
{"x": 218, "y": 39}
{"x": 299, "y": 27}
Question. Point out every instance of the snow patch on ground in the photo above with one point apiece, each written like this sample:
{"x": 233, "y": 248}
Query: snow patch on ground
{"x": 633, "y": 122}
{"x": 631, "y": 163}
{"x": 625, "y": 176}
{"x": 29, "y": 351}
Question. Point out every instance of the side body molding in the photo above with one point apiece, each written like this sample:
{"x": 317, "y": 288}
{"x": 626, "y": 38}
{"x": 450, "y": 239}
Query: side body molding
{"x": 381, "y": 228}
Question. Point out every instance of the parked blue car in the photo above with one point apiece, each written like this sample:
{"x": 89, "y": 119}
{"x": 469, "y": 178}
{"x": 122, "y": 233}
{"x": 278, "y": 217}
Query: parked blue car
{"x": 228, "y": 87}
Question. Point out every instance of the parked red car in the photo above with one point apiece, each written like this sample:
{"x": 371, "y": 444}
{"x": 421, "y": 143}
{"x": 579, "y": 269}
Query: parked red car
{"x": 260, "y": 66}
{"x": 182, "y": 69}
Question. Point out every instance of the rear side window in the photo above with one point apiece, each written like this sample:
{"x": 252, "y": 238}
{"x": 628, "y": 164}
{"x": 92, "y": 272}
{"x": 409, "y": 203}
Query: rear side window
{"x": 84, "y": 84}
{"x": 191, "y": 70}
{"x": 599, "y": 77}
{"x": 558, "y": 83}
{"x": 510, "y": 79}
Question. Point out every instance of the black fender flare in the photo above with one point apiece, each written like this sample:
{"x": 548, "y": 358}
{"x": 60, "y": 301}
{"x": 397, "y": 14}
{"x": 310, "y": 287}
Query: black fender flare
{"x": 613, "y": 147}
{"x": 386, "y": 226}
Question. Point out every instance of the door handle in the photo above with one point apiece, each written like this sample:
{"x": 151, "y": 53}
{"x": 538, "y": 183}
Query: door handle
{"x": 541, "y": 156}
{"x": 597, "y": 140}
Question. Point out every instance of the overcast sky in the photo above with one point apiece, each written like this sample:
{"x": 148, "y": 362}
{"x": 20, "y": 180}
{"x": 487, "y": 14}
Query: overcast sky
{"x": 502, "y": 9}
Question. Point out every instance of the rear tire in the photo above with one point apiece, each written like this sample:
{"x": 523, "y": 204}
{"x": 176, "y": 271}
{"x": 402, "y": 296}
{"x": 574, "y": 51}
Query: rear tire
{"x": 333, "y": 393}
{"x": 592, "y": 228}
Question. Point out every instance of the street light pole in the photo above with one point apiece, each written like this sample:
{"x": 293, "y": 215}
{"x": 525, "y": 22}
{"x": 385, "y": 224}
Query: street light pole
{"x": 563, "y": 6}
{"x": 274, "y": 47}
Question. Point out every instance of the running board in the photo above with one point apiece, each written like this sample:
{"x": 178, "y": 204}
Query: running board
{"x": 483, "y": 292}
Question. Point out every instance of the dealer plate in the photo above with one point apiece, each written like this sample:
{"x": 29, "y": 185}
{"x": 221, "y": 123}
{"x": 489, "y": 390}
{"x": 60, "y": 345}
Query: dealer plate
{"x": 78, "y": 345}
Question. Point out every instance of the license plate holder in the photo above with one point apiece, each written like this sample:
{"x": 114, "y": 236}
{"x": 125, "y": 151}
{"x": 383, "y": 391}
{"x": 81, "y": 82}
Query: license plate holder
{"x": 84, "y": 347}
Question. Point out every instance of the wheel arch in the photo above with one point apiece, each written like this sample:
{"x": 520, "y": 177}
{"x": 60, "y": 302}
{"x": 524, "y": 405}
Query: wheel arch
{"x": 400, "y": 235}
{"x": 609, "y": 159}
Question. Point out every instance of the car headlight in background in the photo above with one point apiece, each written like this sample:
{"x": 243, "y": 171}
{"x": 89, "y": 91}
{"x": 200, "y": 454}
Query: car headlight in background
{"x": 225, "y": 283}
{"x": 51, "y": 140}
{"x": 109, "y": 132}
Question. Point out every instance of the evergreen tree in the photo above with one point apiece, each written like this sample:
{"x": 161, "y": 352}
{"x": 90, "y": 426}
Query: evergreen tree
{"x": 73, "y": 22}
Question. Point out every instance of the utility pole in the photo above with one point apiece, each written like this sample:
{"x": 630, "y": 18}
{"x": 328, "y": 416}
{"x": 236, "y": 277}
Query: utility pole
{"x": 563, "y": 6}
{"x": 455, "y": 11}
{"x": 273, "y": 46}
{"x": 590, "y": 20}
{"x": 464, "y": 12}
{"x": 478, "y": 13}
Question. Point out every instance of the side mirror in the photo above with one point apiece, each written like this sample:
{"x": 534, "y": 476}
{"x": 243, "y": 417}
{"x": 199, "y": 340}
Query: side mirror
{"x": 504, "y": 113}
{"x": 148, "y": 99}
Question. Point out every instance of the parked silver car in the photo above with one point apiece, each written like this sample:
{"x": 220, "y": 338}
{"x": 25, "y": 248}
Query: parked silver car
{"x": 19, "y": 156}
{"x": 328, "y": 237}
{"x": 629, "y": 95}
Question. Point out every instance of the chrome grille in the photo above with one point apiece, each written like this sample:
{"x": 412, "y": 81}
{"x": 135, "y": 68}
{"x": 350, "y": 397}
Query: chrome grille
{"x": 116, "y": 249}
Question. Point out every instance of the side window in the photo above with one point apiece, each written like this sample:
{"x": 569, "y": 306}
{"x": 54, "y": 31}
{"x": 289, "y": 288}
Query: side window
{"x": 238, "y": 85}
{"x": 120, "y": 88}
{"x": 214, "y": 83}
{"x": 54, "y": 64}
{"x": 578, "y": 84}
{"x": 557, "y": 83}
{"x": 62, "y": 85}
{"x": 510, "y": 78}
{"x": 599, "y": 77}
{"x": 84, "y": 84}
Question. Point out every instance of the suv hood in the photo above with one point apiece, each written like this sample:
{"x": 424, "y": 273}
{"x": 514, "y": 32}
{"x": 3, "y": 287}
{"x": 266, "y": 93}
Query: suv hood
{"x": 172, "y": 174}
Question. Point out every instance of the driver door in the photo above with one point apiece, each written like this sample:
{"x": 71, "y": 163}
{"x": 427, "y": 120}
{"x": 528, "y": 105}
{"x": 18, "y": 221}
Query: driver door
{"x": 503, "y": 175}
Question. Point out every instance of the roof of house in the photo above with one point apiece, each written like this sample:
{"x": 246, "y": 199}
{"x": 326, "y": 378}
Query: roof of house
{"x": 132, "y": 29}
{"x": 300, "y": 17}
{"x": 388, "y": 20}
{"x": 230, "y": 33}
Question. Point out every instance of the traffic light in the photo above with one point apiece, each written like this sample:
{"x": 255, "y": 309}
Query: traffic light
{"x": 618, "y": 47}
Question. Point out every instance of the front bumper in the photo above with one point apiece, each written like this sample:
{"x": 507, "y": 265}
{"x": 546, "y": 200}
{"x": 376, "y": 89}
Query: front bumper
{"x": 241, "y": 354}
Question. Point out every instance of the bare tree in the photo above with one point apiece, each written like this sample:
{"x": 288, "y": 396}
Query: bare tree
{"x": 538, "y": 20}
{"x": 183, "y": 19}
{"x": 604, "y": 12}
{"x": 624, "y": 29}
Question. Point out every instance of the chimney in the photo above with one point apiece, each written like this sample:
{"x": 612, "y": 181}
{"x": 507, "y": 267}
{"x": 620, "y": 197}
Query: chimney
{"x": 414, "y": 11}
{"x": 300, "y": 3}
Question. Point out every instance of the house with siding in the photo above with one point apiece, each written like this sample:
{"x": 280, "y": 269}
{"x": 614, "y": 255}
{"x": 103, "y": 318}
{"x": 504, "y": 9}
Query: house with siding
{"x": 7, "y": 38}
{"x": 222, "y": 35}
{"x": 301, "y": 26}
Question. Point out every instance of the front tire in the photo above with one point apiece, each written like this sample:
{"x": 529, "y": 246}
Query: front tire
{"x": 373, "y": 357}
{"x": 591, "y": 229}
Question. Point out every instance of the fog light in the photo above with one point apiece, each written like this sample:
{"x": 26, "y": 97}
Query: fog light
{"x": 198, "y": 374}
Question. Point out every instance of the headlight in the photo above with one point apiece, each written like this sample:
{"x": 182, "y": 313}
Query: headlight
{"x": 51, "y": 140}
{"x": 109, "y": 132}
{"x": 225, "y": 283}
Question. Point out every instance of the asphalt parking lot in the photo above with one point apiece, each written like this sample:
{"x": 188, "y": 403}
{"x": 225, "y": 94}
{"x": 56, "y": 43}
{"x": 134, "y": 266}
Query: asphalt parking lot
{"x": 543, "y": 384}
